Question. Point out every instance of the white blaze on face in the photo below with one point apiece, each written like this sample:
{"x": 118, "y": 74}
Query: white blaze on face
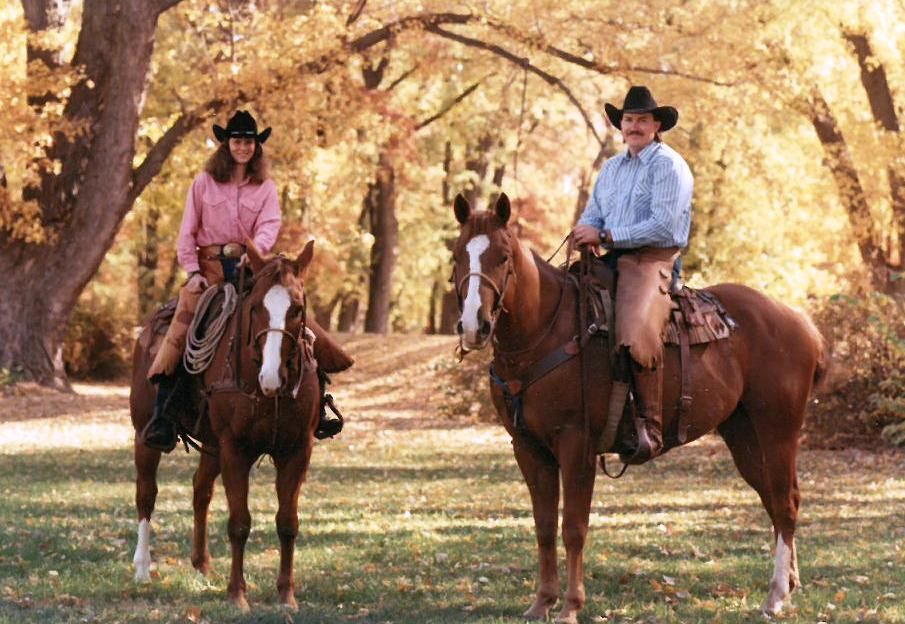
{"x": 277, "y": 303}
{"x": 475, "y": 247}
{"x": 142, "y": 559}
{"x": 779, "y": 585}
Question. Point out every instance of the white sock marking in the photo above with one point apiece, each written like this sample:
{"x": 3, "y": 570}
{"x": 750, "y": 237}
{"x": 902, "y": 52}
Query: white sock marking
{"x": 475, "y": 247}
{"x": 779, "y": 584}
{"x": 277, "y": 302}
{"x": 142, "y": 559}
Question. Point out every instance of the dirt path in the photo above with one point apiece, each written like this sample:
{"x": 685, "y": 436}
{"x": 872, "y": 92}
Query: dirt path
{"x": 394, "y": 384}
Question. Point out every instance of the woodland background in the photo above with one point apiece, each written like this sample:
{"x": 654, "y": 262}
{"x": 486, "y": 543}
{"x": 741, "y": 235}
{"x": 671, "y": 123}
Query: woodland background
{"x": 790, "y": 117}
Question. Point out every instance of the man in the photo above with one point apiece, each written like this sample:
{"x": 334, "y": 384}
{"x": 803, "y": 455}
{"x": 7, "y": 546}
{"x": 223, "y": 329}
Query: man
{"x": 641, "y": 210}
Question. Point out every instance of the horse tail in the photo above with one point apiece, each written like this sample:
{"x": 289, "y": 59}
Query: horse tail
{"x": 824, "y": 356}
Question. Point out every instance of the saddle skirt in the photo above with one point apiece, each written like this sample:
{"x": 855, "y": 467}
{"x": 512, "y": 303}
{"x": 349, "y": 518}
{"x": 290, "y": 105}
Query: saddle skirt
{"x": 700, "y": 315}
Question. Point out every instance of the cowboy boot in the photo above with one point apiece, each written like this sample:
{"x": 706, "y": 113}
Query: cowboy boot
{"x": 327, "y": 426}
{"x": 649, "y": 425}
{"x": 331, "y": 358}
{"x": 160, "y": 433}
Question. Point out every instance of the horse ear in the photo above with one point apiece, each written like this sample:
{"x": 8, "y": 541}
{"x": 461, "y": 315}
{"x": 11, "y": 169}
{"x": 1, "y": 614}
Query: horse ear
{"x": 255, "y": 259}
{"x": 503, "y": 209}
{"x": 462, "y": 208}
{"x": 304, "y": 259}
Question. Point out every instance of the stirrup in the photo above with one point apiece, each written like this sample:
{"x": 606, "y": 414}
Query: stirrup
{"x": 163, "y": 438}
{"x": 644, "y": 451}
{"x": 329, "y": 427}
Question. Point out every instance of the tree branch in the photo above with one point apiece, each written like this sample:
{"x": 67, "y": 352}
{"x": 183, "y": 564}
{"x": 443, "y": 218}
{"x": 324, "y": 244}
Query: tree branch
{"x": 540, "y": 43}
{"x": 452, "y": 104}
{"x": 160, "y": 151}
{"x": 166, "y": 5}
{"x": 520, "y": 62}
{"x": 356, "y": 13}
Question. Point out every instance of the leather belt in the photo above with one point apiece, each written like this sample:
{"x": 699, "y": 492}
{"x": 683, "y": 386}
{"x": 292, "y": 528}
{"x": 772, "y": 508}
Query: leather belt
{"x": 218, "y": 252}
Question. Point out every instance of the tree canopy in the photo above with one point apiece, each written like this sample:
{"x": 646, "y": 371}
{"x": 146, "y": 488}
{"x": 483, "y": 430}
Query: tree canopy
{"x": 382, "y": 111}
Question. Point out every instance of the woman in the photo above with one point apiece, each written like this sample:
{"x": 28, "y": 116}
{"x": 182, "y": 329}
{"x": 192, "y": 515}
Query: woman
{"x": 231, "y": 201}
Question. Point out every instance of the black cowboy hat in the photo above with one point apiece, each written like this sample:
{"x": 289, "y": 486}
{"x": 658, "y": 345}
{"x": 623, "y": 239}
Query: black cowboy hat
{"x": 243, "y": 125}
{"x": 639, "y": 100}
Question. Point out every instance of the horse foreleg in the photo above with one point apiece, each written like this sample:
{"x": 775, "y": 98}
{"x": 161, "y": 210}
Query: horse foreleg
{"x": 203, "y": 485}
{"x": 290, "y": 474}
{"x": 578, "y": 472}
{"x": 541, "y": 473}
{"x": 236, "y": 466}
{"x": 146, "y": 463}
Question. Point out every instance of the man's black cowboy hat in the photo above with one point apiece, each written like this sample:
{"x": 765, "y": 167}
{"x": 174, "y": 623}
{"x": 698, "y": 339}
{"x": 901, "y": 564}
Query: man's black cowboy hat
{"x": 241, "y": 125}
{"x": 639, "y": 100}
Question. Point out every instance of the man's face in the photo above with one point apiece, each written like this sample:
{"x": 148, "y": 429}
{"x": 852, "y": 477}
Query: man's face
{"x": 639, "y": 130}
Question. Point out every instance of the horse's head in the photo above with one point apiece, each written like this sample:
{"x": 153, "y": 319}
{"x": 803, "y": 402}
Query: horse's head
{"x": 482, "y": 268}
{"x": 276, "y": 315}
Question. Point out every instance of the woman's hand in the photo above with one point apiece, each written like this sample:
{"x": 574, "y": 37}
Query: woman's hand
{"x": 196, "y": 282}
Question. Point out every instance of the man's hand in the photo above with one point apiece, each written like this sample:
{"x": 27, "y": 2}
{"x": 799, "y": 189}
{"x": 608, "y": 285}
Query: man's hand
{"x": 586, "y": 235}
{"x": 196, "y": 282}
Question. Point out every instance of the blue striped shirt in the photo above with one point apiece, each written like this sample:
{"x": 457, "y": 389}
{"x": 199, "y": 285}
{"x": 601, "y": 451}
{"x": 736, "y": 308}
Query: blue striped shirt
{"x": 643, "y": 200}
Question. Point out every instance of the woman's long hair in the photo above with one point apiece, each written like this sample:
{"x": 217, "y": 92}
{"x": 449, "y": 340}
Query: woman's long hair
{"x": 220, "y": 165}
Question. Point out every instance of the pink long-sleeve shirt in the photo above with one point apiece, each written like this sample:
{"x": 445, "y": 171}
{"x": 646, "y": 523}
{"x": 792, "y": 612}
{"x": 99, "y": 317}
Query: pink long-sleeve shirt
{"x": 216, "y": 214}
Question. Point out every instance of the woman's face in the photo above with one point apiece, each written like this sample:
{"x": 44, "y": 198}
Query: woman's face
{"x": 241, "y": 149}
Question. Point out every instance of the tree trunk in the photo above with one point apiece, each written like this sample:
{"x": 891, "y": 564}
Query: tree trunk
{"x": 851, "y": 191}
{"x": 148, "y": 259}
{"x": 883, "y": 109}
{"x": 589, "y": 175}
{"x": 348, "y": 314}
{"x": 82, "y": 207}
{"x": 324, "y": 313}
{"x": 381, "y": 201}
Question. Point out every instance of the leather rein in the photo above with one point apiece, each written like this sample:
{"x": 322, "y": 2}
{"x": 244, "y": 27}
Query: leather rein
{"x": 235, "y": 384}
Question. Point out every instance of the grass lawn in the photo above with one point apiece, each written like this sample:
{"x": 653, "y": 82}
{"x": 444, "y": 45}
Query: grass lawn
{"x": 410, "y": 518}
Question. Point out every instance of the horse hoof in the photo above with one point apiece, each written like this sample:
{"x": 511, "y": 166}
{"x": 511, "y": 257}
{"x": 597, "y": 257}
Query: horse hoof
{"x": 240, "y": 603}
{"x": 289, "y": 604}
{"x": 567, "y": 617}
{"x": 143, "y": 576}
{"x": 538, "y": 610}
{"x": 203, "y": 568}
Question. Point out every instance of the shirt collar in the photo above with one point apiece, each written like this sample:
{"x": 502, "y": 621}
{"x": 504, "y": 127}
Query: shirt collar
{"x": 646, "y": 154}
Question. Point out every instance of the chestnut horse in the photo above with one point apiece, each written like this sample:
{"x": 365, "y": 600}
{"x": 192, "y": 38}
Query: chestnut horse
{"x": 752, "y": 387}
{"x": 273, "y": 410}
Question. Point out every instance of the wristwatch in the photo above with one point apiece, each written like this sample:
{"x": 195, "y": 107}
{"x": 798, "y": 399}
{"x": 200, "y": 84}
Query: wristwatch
{"x": 602, "y": 237}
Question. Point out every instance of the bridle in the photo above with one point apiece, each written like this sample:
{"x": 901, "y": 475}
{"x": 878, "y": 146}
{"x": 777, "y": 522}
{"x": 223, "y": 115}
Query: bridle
{"x": 499, "y": 292}
{"x": 295, "y": 352}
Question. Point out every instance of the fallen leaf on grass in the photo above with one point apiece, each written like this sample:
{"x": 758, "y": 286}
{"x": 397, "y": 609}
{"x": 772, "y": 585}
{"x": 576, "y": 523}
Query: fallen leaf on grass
{"x": 727, "y": 591}
{"x": 193, "y": 614}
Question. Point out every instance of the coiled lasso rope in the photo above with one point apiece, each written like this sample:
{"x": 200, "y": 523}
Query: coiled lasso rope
{"x": 199, "y": 352}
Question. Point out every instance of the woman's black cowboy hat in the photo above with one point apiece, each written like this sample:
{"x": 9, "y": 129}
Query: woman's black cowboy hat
{"x": 241, "y": 125}
{"x": 639, "y": 100}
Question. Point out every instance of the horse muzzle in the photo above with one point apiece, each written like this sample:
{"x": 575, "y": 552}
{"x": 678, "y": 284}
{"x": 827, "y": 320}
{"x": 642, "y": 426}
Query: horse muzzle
{"x": 475, "y": 340}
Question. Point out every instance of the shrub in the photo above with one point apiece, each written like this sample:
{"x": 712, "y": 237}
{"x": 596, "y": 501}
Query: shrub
{"x": 98, "y": 341}
{"x": 865, "y": 395}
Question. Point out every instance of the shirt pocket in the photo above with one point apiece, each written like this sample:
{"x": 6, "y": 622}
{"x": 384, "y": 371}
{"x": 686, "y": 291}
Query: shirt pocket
{"x": 249, "y": 211}
{"x": 214, "y": 208}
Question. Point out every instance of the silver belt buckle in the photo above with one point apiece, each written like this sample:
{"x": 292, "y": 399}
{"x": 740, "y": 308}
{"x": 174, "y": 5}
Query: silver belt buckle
{"x": 232, "y": 250}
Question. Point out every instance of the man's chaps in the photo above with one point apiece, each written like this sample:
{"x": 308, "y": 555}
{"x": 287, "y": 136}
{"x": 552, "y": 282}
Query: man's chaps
{"x": 642, "y": 311}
